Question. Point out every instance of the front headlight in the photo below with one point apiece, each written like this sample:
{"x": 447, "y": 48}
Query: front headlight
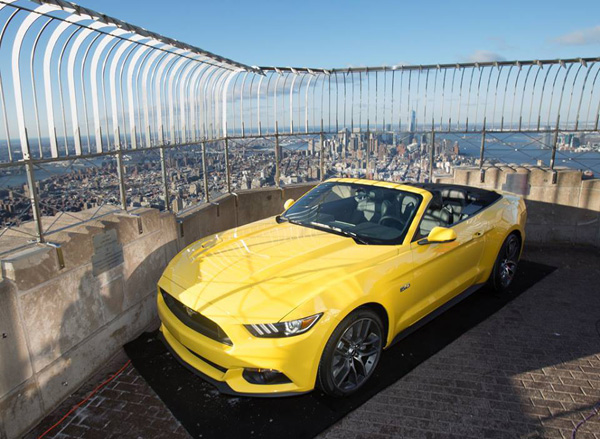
{"x": 283, "y": 329}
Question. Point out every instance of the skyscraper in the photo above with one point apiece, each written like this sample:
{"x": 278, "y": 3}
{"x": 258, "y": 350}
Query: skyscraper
{"x": 412, "y": 126}
{"x": 547, "y": 139}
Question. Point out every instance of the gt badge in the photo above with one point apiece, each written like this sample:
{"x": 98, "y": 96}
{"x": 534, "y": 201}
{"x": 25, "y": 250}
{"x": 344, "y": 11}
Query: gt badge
{"x": 404, "y": 287}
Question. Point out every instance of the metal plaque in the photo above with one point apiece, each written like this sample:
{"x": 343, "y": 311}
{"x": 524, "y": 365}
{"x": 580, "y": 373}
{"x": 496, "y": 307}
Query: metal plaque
{"x": 108, "y": 252}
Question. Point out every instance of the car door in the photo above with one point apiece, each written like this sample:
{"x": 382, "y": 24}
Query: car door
{"x": 442, "y": 271}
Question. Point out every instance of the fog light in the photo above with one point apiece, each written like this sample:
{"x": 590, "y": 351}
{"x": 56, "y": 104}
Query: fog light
{"x": 265, "y": 376}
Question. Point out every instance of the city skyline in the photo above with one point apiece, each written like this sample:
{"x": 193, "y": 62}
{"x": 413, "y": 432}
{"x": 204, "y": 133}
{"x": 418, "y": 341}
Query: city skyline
{"x": 196, "y": 175}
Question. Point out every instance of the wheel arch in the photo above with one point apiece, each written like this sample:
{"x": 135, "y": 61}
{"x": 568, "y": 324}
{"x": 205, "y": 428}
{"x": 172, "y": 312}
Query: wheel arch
{"x": 380, "y": 310}
{"x": 516, "y": 231}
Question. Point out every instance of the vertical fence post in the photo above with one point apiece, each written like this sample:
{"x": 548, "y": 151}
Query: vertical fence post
{"x": 163, "y": 168}
{"x": 322, "y": 154}
{"x": 277, "y": 156}
{"x": 554, "y": 145}
{"x": 205, "y": 173}
{"x": 431, "y": 153}
{"x": 367, "y": 151}
{"x": 120, "y": 171}
{"x": 481, "y": 154}
{"x": 227, "y": 169}
{"x": 33, "y": 193}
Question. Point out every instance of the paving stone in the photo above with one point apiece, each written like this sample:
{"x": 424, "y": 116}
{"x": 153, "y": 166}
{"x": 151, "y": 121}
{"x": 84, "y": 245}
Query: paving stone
{"x": 126, "y": 408}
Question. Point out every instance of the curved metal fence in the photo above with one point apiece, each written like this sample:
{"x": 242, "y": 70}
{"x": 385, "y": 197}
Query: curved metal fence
{"x": 79, "y": 87}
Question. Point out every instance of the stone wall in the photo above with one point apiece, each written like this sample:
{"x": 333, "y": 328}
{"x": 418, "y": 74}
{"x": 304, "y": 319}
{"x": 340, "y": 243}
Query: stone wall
{"x": 562, "y": 207}
{"x": 59, "y": 324}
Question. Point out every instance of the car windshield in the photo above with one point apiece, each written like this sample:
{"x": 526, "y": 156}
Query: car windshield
{"x": 369, "y": 214}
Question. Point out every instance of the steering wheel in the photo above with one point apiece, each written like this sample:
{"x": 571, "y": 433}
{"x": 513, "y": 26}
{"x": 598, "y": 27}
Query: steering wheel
{"x": 391, "y": 219}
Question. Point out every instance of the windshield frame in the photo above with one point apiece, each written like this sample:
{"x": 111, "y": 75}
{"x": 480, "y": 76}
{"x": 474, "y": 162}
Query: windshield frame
{"x": 358, "y": 238}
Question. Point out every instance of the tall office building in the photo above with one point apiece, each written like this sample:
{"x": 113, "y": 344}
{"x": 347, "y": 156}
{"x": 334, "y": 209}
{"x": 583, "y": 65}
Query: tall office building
{"x": 547, "y": 139}
{"x": 412, "y": 126}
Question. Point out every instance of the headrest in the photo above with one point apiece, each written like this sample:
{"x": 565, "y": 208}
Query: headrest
{"x": 366, "y": 205}
{"x": 371, "y": 203}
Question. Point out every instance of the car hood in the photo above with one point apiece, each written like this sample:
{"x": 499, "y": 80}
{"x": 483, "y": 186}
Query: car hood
{"x": 262, "y": 271}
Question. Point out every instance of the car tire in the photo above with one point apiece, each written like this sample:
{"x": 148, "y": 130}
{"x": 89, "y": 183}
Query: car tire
{"x": 505, "y": 267}
{"x": 351, "y": 353}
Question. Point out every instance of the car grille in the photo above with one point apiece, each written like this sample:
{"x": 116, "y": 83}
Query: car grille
{"x": 195, "y": 320}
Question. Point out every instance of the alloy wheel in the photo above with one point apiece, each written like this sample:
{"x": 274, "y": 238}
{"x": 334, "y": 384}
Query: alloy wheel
{"x": 356, "y": 354}
{"x": 508, "y": 263}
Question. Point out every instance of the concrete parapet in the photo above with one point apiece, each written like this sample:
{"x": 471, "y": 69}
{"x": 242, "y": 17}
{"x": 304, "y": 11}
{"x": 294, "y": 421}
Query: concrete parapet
{"x": 562, "y": 207}
{"x": 295, "y": 191}
{"x": 65, "y": 311}
{"x": 253, "y": 205}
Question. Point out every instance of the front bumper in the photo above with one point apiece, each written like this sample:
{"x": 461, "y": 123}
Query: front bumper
{"x": 223, "y": 366}
{"x": 221, "y": 386}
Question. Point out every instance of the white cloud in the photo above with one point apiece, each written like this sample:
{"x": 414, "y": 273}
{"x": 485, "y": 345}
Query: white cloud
{"x": 590, "y": 35}
{"x": 485, "y": 56}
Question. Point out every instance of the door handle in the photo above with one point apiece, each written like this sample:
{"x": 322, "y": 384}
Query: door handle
{"x": 477, "y": 234}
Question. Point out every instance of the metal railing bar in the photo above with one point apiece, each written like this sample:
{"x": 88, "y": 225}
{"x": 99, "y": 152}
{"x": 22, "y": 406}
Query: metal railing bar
{"x": 79, "y": 10}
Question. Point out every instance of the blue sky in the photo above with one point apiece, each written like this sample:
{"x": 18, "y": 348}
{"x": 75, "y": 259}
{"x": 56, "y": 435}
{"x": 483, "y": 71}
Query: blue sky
{"x": 357, "y": 33}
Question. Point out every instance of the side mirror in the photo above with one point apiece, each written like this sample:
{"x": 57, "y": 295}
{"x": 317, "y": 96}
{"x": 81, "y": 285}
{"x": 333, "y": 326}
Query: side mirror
{"x": 439, "y": 235}
{"x": 288, "y": 204}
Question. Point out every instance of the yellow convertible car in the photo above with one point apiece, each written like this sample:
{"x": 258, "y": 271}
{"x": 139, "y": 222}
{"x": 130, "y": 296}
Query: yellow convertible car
{"x": 311, "y": 297}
